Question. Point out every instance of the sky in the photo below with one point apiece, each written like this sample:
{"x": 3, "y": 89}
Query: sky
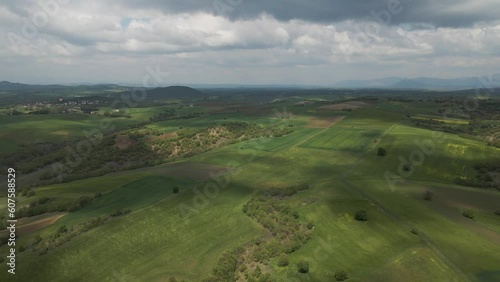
{"x": 314, "y": 42}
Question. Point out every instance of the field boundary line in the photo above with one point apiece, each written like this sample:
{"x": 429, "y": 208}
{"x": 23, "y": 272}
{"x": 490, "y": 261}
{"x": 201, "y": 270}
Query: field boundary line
{"x": 297, "y": 144}
{"x": 368, "y": 150}
{"x": 408, "y": 226}
{"x": 393, "y": 215}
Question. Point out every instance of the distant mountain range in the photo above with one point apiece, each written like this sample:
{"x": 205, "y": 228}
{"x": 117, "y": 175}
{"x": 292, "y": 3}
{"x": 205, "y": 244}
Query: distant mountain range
{"x": 173, "y": 92}
{"x": 423, "y": 83}
{"x": 102, "y": 89}
{"x": 12, "y": 86}
{"x": 420, "y": 83}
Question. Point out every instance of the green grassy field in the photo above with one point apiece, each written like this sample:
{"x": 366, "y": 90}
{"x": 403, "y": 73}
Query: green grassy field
{"x": 465, "y": 246}
{"x": 152, "y": 243}
{"x": 360, "y": 248}
{"x": 7, "y": 147}
{"x": 343, "y": 139}
{"x": 47, "y": 128}
{"x": 441, "y": 157}
{"x": 156, "y": 240}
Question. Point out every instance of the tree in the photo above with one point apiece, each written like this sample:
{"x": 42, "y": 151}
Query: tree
{"x": 468, "y": 214}
{"x": 46, "y": 175}
{"x": 340, "y": 275}
{"x": 62, "y": 229}
{"x": 176, "y": 189}
{"x": 84, "y": 201}
{"x": 414, "y": 231}
{"x": 303, "y": 266}
{"x": 283, "y": 260}
{"x": 37, "y": 239}
{"x": 407, "y": 167}
{"x": 361, "y": 215}
{"x": 427, "y": 195}
{"x": 73, "y": 207}
{"x": 258, "y": 271}
{"x": 381, "y": 152}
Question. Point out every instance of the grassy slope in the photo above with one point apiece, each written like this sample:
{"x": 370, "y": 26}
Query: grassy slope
{"x": 356, "y": 247}
{"x": 46, "y": 128}
{"x": 450, "y": 156}
{"x": 153, "y": 242}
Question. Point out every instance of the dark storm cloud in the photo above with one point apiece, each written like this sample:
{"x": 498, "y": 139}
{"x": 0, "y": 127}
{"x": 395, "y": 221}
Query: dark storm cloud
{"x": 442, "y": 13}
{"x": 248, "y": 41}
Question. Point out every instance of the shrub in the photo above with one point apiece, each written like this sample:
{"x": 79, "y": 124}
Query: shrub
{"x": 340, "y": 275}
{"x": 361, "y": 215}
{"x": 74, "y": 207}
{"x": 427, "y": 195}
{"x": 497, "y": 212}
{"x": 120, "y": 212}
{"x": 407, "y": 167}
{"x": 381, "y": 152}
{"x": 468, "y": 214}
{"x": 62, "y": 229}
{"x": 31, "y": 193}
{"x": 243, "y": 268}
{"x": 172, "y": 279}
{"x": 84, "y": 201}
{"x": 97, "y": 195}
{"x": 303, "y": 266}
{"x": 43, "y": 251}
{"x": 283, "y": 260}
{"x": 40, "y": 202}
{"x": 37, "y": 239}
{"x": 258, "y": 271}
{"x": 176, "y": 189}
{"x": 3, "y": 241}
{"x": 46, "y": 175}
{"x": 414, "y": 231}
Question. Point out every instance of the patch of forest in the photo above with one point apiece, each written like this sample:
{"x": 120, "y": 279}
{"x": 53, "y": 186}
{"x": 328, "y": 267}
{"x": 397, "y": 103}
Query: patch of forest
{"x": 144, "y": 149}
{"x": 284, "y": 234}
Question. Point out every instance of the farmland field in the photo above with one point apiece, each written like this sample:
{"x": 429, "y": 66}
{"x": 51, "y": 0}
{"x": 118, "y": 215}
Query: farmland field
{"x": 180, "y": 218}
{"x": 38, "y": 128}
{"x": 343, "y": 139}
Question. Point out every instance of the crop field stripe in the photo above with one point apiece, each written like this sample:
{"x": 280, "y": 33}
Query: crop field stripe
{"x": 292, "y": 146}
{"x": 343, "y": 139}
{"x": 368, "y": 150}
{"x": 395, "y": 217}
{"x": 407, "y": 226}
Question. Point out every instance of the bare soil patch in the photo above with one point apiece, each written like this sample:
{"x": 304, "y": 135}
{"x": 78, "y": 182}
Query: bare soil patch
{"x": 232, "y": 109}
{"x": 324, "y": 122}
{"x": 354, "y": 105}
{"x": 164, "y": 136}
{"x": 39, "y": 224}
{"x": 303, "y": 103}
{"x": 123, "y": 142}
